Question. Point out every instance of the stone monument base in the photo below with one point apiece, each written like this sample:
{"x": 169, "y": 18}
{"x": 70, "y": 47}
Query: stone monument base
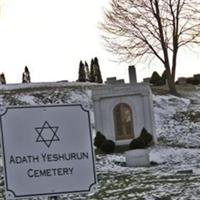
{"x": 137, "y": 158}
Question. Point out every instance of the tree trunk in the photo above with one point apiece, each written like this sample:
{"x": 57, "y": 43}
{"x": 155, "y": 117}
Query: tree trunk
{"x": 171, "y": 84}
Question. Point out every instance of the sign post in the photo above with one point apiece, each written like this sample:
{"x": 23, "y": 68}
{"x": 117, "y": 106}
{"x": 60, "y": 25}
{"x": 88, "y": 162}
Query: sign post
{"x": 47, "y": 150}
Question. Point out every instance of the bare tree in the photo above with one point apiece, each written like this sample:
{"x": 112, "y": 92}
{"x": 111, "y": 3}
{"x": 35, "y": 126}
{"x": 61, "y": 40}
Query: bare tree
{"x": 146, "y": 29}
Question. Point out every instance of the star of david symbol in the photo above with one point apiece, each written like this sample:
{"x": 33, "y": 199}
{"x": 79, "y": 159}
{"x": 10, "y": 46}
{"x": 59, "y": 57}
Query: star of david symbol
{"x": 47, "y": 134}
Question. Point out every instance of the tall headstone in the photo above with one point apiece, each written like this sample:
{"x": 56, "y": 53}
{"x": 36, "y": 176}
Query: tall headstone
{"x": 132, "y": 74}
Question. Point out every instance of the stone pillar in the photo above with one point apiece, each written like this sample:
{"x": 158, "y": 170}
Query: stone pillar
{"x": 132, "y": 74}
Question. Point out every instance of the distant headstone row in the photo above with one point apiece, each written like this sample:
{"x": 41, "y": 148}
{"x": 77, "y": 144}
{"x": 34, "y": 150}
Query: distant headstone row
{"x": 158, "y": 80}
{"x": 132, "y": 77}
{"x": 195, "y": 80}
{"x": 114, "y": 80}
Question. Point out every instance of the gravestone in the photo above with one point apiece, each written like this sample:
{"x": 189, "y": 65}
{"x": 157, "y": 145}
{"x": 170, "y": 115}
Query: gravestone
{"x": 137, "y": 158}
{"x": 182, "y": 81}
{"x": 132, "y": 74}
{"x": 111, "y": 80}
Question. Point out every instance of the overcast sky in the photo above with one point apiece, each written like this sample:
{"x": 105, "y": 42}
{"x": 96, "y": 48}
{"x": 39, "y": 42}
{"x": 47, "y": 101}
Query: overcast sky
{"x": 52, "y": 36}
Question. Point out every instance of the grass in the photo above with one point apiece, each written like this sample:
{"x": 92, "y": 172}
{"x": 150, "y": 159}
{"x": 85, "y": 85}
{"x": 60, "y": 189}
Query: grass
{"x": 142, "y": 186}
{"x": 162, "y": 182}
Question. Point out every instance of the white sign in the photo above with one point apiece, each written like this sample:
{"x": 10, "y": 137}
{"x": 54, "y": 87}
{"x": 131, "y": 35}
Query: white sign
{"x": 47, "y": 150}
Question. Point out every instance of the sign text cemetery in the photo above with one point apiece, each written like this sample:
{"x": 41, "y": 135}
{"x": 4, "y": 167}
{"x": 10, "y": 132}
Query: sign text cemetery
{"x": 47, "y": 150}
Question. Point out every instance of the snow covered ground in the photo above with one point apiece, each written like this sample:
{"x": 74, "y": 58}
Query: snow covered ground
{"x": 175, "y": 170}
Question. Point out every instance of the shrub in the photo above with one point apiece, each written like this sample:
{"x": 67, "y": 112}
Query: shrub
{"x": 156, "y": 79}
{"x": 146, "y": 137}
{"x": 108, "y": 146}
{"x": 136, "y": 144}
{"x": 164, "y": 75}
{"x": 143, "y": 141}
{"x": 26, "y": 78}
{"x": 99, "y": 139}
{"x": 2, "y": 78}
{"x": 81, "y": 73}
